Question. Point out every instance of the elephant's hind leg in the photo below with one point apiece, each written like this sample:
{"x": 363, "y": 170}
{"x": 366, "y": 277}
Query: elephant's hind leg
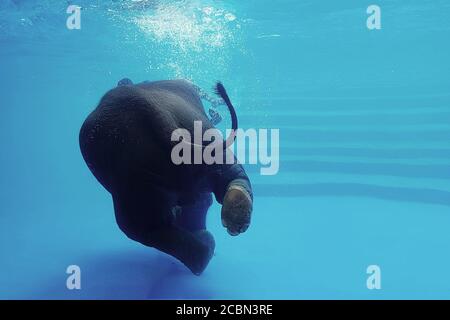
{"x": 144, "y": 214}
{"x": 192, "y": 211}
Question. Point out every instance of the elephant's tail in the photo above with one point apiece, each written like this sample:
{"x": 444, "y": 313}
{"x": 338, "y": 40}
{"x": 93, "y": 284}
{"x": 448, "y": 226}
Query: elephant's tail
{"x": 220, "y": 91}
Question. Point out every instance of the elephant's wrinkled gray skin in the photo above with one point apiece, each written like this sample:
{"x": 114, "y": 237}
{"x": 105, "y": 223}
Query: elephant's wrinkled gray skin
{"x": 126, "y": 143}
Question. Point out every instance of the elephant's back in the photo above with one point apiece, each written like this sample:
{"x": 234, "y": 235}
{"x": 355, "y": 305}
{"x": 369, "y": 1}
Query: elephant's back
{"x": 122, "y": 142}
{"x": 181, "y": 88}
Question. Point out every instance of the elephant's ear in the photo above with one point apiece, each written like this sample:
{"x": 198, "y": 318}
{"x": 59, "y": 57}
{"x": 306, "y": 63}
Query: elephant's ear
{"x": 221, "y": 92}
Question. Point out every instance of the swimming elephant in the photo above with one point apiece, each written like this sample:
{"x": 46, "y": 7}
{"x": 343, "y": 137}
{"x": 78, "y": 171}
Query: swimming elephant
{"x": 127, "y": 142}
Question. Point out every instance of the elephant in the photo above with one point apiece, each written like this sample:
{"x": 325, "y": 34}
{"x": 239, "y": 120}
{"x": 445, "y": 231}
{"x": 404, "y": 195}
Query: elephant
{"x": 126, "y": 142}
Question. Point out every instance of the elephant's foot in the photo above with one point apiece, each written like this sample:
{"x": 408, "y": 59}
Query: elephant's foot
{"x": 198, "y": 262}
{"x": 205, "y": 237}
{"x": 194, "y": 250}
{"x": 236, "y": 209}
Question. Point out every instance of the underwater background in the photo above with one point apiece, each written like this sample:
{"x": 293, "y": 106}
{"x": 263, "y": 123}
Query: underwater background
{"x": 364, "y": 119}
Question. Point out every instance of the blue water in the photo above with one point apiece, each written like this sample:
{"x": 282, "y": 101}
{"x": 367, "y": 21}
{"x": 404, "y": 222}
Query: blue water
{"x": 364, "y": 119}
